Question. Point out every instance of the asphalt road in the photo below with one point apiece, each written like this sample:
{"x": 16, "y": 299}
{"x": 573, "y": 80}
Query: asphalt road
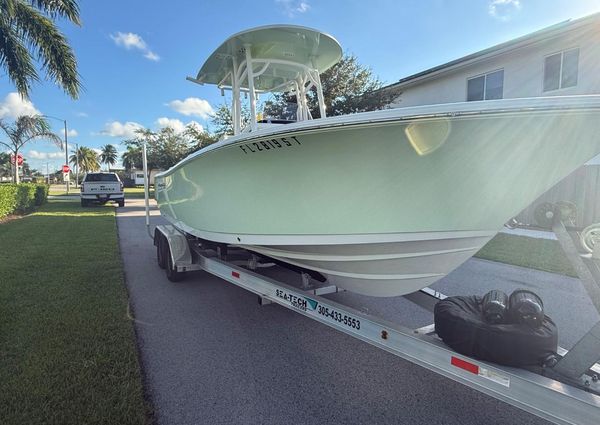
{"x": 211, "y": 355}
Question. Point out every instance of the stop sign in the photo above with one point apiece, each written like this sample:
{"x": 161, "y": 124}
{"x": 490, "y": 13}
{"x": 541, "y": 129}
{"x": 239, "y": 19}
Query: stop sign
{"x": 19, "y": 160}
{"x": 66, "y": 169}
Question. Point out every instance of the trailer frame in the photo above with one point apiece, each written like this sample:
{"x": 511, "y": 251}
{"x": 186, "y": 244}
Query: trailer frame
{"x": 543, "y": 392}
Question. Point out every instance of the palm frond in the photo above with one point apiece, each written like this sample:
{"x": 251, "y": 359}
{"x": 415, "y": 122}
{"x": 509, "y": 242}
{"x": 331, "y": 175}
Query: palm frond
{"x": 53, "y": 50}
{"x": 59, "y": 8}
{"x": 46, "y": 135}
{"x": 7, "y": 128}
{"x": 15, "y": 58}
{"x": 7, "y": 145}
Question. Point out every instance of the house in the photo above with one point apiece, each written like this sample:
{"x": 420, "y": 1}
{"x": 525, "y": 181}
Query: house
{"x": 138, "y": 176}
{"x": 563, "y": 59}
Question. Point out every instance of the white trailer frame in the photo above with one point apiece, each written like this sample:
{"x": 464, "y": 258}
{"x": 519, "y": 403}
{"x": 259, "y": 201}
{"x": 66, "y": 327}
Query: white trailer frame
{"x": 540, "y": 395}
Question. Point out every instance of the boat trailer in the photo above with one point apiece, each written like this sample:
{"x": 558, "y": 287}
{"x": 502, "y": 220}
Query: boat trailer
{"x": 566, "y": 391}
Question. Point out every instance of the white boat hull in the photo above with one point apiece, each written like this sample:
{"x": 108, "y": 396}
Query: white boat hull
{"x": 381, "y": 203}
{"x": 380, "y": 269}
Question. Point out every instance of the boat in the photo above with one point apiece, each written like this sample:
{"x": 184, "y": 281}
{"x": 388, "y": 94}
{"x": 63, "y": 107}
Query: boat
{"x": 381, "y": 203}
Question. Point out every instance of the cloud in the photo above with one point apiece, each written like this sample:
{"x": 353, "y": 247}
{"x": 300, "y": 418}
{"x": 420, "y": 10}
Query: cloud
{"x": 192, "y": 106}
{"x": 132, "y": 41}
{"x": 504, "y": 10}
{"x": 14, "y": 105}
{"x": 129, "y": 40}
{"x": 176, "y": 124}
{"x": 293, "y": 7}
{"x": 152, "y": 56}
{"x": 82, "y": 114}
{"x": 118, "y": 129}
{"x": 33, "y": 154}
{"x": 72, "y": 133}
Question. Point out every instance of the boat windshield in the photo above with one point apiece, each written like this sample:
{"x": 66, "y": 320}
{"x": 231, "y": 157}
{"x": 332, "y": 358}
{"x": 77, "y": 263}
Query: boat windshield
{"x": 288, "y": 112}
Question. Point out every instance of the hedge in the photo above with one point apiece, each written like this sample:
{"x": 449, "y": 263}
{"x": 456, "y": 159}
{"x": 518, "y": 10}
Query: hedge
{"x": 21, "y": 198}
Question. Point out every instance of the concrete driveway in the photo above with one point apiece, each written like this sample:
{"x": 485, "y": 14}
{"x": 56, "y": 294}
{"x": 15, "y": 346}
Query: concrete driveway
{"x": 211, "y": 355}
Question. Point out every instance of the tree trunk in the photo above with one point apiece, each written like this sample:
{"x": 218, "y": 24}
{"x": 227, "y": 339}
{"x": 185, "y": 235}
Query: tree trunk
{"x": 16, "y": 166}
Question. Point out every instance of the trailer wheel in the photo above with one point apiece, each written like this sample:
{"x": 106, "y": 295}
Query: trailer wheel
{"x": 172, "y": 274}
{"x": 590, "y": 237}
{"x": 160, "y": 250}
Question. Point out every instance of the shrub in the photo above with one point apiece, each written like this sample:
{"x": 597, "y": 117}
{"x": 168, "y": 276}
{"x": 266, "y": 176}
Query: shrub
{"x": 8, "y": 199}
{"x": 21, "y": 198}
{"x": 25, "y": 197}
{"x": 41, "y": 194}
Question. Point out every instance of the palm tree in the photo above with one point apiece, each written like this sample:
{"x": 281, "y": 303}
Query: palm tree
{"x": 86, "y": 158}
{"x": 25, "y": 129}
{"x": 108, "y": 155}
{"x": 132, "y": 158}
{"x": 27, "y": 31}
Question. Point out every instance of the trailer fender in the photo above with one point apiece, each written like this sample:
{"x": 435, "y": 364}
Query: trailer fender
{"x": 179, "y": 248}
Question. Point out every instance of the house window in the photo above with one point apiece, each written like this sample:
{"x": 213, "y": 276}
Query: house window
{"x": 560, "y": 70}
{"x": 486, "y": 87}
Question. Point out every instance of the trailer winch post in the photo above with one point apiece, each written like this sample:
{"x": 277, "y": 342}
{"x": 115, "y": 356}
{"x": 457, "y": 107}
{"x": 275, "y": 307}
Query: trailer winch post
{"x": 146, "y": 189}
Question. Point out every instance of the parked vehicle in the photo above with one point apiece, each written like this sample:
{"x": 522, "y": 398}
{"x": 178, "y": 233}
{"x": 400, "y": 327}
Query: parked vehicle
{"x": 102, "y": 188}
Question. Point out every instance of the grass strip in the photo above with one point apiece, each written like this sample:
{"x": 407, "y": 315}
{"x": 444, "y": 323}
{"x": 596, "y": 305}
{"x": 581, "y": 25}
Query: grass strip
{"x": 533, "y": 253}
{"x": 130, "y": 192}
{"x": 67, "y": 346}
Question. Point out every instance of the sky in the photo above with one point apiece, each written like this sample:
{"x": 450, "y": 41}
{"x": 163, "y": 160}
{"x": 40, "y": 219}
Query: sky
{"x": 133, "y": 56}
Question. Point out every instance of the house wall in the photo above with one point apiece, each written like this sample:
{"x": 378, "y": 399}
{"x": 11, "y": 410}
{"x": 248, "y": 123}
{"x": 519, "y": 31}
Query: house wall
{"x": 140, "y": 180}
{"x": 523, "y": 71}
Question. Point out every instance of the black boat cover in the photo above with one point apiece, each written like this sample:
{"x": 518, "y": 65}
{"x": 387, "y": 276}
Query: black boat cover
{"x": 459, "y": 322}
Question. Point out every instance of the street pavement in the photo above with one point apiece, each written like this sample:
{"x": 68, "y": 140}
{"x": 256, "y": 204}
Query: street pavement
{"x": 211, "y": 355}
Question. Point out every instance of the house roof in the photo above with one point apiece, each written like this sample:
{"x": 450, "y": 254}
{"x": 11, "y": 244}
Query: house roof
{"x": 516, "y": 43}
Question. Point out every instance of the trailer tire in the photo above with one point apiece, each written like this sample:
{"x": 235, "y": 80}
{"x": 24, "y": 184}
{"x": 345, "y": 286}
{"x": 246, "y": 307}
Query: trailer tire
{"x": 172, "y": 274}
{"x": 161, "y": 257}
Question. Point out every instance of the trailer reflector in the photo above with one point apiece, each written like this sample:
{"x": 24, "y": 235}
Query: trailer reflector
{"x": 480, "y": 371}
{"x": 463, "y": 364}
{"x": 235, "y": 274}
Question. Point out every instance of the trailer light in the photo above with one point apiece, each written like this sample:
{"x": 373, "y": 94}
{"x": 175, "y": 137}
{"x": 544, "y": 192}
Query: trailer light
{"x": 465, "y": 365}
{"x": 384, "y": 335}
{"x": 235, "y": 274}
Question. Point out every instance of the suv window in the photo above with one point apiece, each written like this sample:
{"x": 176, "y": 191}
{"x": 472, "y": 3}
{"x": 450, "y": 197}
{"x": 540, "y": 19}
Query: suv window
{"x": 101, "y": 177}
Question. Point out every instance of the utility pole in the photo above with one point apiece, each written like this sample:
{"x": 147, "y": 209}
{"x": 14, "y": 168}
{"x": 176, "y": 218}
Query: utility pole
{"x": 66, "y": 144}
{"x": 67, "y": 155}
{"x": 76, "y": 164}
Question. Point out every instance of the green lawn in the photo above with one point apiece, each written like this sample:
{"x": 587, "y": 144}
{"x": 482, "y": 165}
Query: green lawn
{"x": 67, "y": 345}
{"x": 61, "y": 190}
{"x": 137, "y": 192}
{"x": 130, "y": 192}
{"x": 541, "y": 254}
